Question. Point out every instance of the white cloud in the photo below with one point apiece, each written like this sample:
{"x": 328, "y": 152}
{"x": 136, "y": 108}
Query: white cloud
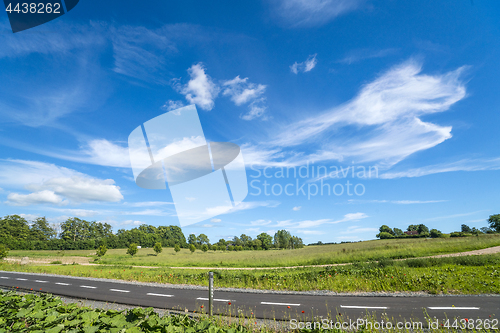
{"x": 81, "y": 189}
{"x": 148, "y": 203}
{"x": 256, "y": 110}
{"x": 215, "y": 220}
{"x": 310, "y": 232}
{"x": 78, "y": 212}
{"x": 462, "y": 165}
{"x": 297, "y": 208}
{"x": 53, "y": 184}
{"x": 29, "y": 217}
{"x": 172, "y": 105}
{"x": 305, "y": 66}
{"x": 148, "y": 212}
{"x": 241, "y": 91}
{"x": 41, "y": 197}
{"x": 200, "y": 89}
{"x": 132, "y": 222}
{"x": 386, "y": 113}
{"x": 311, "y": 12}
{"x": 260, "y": 222}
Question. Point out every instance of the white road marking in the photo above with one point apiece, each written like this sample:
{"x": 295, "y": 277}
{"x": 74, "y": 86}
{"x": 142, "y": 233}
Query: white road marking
{"x": 289, "y": 304}
{"x": 363, "y": 307}
{"x": 215, "y": 299}
{"x": 4, "y": 277}
{"x": 120, "y": 291}
{"x": 153, "y": 294}
{"x": 63, "y": 284}
{"x": 90, "y": 287}
{"x": 452, "y": 308}
{"x": 41, "y": 281}
{"x": 20, "y": 279}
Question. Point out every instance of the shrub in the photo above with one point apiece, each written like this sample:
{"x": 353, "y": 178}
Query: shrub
{"x": 177, "y": 248}
{"x": 192, "y": 248}
{"x": 157, "y": 248}
{"x": 101, "y": 251}
{"x": 204, "y": 247}
{"x": 4, "y": 251}
{"x": 132, "y": 249}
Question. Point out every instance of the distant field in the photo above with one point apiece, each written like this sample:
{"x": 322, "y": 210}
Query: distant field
{"x": 310, "y": 255}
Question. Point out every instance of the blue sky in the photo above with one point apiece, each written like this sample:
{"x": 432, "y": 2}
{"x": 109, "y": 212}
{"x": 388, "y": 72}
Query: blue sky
{"x": 407, "y": 89}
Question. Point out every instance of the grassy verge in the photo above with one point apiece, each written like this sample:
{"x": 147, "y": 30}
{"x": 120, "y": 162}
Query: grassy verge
{"x": 310, "y": 255}
{"x": 453, "y": 275}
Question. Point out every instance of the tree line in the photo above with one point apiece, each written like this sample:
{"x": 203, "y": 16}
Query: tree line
{"x": 16, "y": 233}
{"x": 421, "y": 230}
{"x": 282, "y": 240}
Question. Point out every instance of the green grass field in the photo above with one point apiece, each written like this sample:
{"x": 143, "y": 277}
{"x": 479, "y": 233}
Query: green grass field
{"x": 453, "y": 275}
{"x": 310, "y": 255}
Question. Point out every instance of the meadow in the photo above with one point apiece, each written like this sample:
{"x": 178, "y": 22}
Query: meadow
{"x": 309, "y": 255}
{"x": 450, "y": 275}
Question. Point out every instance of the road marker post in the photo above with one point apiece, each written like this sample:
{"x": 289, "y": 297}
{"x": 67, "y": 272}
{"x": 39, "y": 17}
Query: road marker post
{"x": 210, "y": 293}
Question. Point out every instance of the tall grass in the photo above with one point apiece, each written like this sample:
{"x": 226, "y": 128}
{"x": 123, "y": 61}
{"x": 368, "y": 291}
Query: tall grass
{"x": 310, "y": 255}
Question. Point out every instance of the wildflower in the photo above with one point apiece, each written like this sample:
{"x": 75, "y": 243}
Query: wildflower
{"x": 303, "y": 311}
{"x": 229, "y": 303}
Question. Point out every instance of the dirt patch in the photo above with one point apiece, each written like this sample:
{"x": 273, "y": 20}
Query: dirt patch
{"x": 47, "y": 261}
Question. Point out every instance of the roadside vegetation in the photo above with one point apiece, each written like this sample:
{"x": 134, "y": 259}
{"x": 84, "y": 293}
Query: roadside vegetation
{"x": 451, "y": 275}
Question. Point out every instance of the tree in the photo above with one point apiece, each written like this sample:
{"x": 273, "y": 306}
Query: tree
{"x": 466, "y": 228}
{"x": 266, "y": 240}
{"x": 487, "y": 230}
{"x": 101, "y": 251}
{"x": 132, "y": 249}
{"x": 435, "y": 233}
{"x": 387, "y": 229}
{"x": 157, "y": 248}
{"x": 246, "y": 240}
{"x": 177, "y": 248}
{"x": 40, "y": 230}
{"x": 204, "y": 247}
{"x": 494, "y": 221}
{"x": 385, "y": 235}
{"x": 202, "y": 239}
{"x": 237, "y": 241}
{"x": 192, "y": 248}
{"x": 422, "y": 229}
{"x": 257, "y": 244}
{"x": 412, "y": 227}
{"x": 282, "y": 239}
{"x": 4, "y": 251}
{"x": 192, "y": 239}
{"x": 296, "y": 242}
{"x": 398, "y": 232}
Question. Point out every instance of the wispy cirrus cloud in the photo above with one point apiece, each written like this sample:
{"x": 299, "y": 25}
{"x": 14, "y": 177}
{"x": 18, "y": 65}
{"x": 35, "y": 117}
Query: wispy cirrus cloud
{"x": 306, "y": 13}
{"x": 305, "y": 66}
{"x": 461, "y": 165}
{"x": 387, "y": 115}
{"x": 363, "y": 54}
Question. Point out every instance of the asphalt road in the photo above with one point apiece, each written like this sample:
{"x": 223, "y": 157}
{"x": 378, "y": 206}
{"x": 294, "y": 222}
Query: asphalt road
{"x": 302, "y": 307}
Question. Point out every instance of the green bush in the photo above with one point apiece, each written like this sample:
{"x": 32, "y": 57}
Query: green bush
{"x": 101, "y": 251}
{"x": 157, "y": 248}
{"x": 204, "y": 247}
{"x": 132, "y": 249}
{"x": 4, "y": 251}
{"x": 177, "y": 248}
{"x": 192, "y": 248}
